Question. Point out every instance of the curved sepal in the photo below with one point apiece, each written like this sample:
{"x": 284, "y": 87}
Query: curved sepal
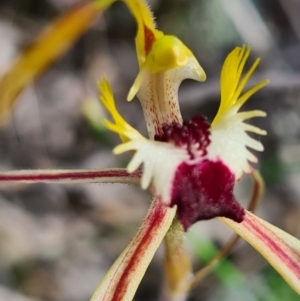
{"x": 279, "y": 248}
{"x": 122, "y": 280}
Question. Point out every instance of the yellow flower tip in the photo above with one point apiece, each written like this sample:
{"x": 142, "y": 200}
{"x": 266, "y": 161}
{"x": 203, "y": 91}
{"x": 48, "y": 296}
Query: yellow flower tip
{"x": 107, "y": 98}
{"x": 136, "y": 85}
{"x": 112, "y": 126}
{"x": 146, "y": 28}
{"x": 119, "y": 149}
{"x": 120, "y": 126}
{"x": 198, "y": 71}
{"x": 231, "y": 83}
{"x": 167, "y": 53}
{"x": 116, "y": 129}
{"x": 264, "y": 114}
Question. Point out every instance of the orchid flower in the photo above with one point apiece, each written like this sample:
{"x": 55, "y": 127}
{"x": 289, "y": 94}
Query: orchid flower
{"x": 190, "y": 166}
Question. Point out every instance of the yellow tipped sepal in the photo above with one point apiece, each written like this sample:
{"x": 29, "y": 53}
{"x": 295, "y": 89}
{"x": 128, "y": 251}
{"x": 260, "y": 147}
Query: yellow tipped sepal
{"x": 146, "y": 29}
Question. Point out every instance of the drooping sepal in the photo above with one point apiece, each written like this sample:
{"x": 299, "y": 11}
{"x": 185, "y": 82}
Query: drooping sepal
{"x": 279, "y": 248}
{"x": 122, "y": 280}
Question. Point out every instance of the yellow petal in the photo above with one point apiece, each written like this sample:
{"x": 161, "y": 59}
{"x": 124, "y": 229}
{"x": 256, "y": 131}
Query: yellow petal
{"x": 120, "y": 126}
{"x": 232, "y": 85}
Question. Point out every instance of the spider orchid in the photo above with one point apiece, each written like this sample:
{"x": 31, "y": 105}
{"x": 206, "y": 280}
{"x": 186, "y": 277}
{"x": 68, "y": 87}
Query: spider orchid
{"x": 191, "y": 169}
{"x": 189, "y": 166}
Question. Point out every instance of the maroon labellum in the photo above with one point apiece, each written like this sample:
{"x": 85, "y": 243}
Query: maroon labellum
{"x": 204, "y": 191}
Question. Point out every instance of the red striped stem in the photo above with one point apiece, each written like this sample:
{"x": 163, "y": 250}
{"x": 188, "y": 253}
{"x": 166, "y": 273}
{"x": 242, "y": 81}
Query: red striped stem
{"x": 114, "y": 175}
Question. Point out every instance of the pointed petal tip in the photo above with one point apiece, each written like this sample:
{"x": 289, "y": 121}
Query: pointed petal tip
{"x": 198, "y": 72}
{"x": 137, "y": 84}
{"x": 131, "y": 94}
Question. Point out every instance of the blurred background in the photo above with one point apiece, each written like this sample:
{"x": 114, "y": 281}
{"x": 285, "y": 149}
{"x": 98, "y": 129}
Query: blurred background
{"x": 57, "y": 241}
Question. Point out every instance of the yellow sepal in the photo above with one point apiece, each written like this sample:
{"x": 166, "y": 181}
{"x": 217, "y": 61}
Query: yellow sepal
{"x": 146, "y": 31}
{"x": 168, "y": 52}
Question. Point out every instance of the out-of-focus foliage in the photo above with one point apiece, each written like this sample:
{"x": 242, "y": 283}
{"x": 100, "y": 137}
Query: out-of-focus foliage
{"x": 48, "y": 46}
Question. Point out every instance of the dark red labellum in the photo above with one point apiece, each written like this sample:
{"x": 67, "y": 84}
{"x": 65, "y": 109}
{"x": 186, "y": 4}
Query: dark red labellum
{"x": 204, "y": 191}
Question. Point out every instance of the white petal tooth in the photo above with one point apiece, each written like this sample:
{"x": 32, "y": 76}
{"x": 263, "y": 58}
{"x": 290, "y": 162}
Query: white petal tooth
{"x": 147, "y": 176}
{"x": 247, "y": 169}
{"x": 251, "y": 114}
{"x": 135, "y": 162}
{"x": 254, "y": 129}
{"x": 119, "y": 149}
{"x": 257, "y": 145}
{"x": 252, "y": 158}
{"x": 125, "y": 147}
